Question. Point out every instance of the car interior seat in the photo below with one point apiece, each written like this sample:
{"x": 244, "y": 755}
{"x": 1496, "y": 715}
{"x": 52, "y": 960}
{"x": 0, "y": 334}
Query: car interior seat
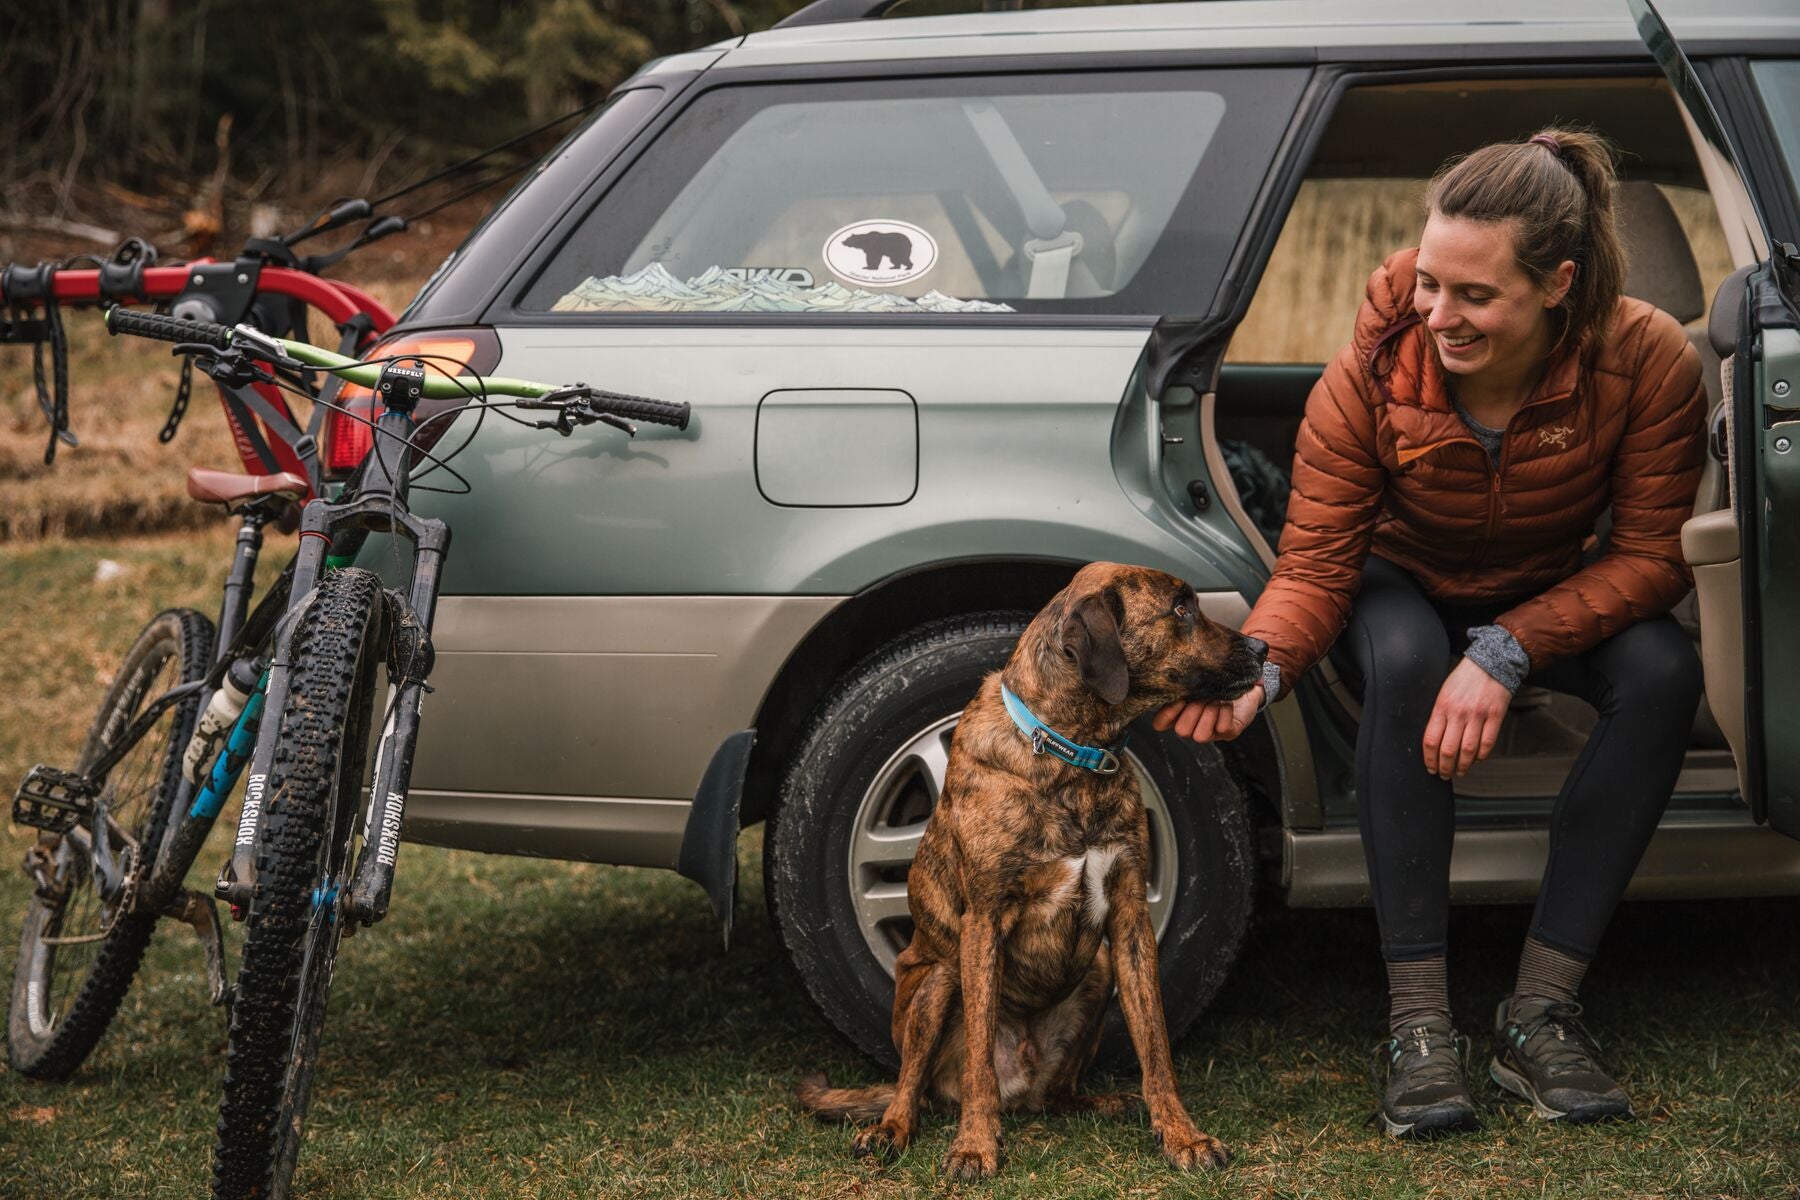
{"x": 1660, "y": 269}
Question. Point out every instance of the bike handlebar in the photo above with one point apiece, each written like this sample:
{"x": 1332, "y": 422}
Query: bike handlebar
{"x": 164, "y": 328}
{"x": 638, "y": 408}
{"x": 436, "y": 387}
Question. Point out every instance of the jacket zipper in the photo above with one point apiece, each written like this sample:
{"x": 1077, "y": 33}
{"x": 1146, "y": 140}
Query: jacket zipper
{"x": 1496, "y": 468}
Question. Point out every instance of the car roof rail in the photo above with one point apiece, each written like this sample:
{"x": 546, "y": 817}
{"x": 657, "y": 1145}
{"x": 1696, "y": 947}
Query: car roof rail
{"x": 831, "y": 12}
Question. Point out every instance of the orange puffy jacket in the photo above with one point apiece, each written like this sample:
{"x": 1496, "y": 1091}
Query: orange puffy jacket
{"x": 1383, "y": 463}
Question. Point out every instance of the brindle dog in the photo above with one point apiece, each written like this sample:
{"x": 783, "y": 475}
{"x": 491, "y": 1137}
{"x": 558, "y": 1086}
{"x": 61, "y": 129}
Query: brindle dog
{"x": 1028, "y": 894}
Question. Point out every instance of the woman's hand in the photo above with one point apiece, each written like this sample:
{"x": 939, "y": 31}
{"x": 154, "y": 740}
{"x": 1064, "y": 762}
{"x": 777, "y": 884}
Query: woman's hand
{"x": 1209, "y": 721}
{"x": 1465, "y": 721}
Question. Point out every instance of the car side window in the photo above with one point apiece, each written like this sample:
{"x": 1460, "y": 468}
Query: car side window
{"x": 1092, "y": 193}
{"x": 1363, "y": 199}
{"x": 1778, "y": 83}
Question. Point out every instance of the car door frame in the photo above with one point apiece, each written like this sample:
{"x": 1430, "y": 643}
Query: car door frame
{"x": 1734, "y": 116}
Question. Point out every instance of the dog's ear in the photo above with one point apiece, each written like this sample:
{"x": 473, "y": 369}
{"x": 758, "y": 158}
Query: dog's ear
{"x": 1090, "y": 640}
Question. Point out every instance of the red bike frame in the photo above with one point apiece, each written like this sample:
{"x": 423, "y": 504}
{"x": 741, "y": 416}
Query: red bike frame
{"x": 338, "y": 302}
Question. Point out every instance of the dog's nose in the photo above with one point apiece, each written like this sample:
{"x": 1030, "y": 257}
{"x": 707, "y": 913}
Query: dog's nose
{"x": 1258, "y": 647}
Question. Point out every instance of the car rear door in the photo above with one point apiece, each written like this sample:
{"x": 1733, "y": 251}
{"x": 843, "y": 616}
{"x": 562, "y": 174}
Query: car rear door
{"x": 1753, "y": 679}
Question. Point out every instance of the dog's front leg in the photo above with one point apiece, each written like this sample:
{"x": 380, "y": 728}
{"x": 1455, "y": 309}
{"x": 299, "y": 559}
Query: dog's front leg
{"x": 918, "y": 1046}
{"x": 1140, "y": 995}
{"x": 975, "y": 1154}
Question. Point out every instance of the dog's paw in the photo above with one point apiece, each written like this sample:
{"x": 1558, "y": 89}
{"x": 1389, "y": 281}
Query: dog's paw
{"x": 1192, "y": 1150}
{"x": 882, "y": 1142}
{"x": 972, "y": 1163}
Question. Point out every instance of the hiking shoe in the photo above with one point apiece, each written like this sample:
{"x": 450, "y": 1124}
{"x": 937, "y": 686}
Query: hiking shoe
{"x": 1424, "y": 1092}
{"x": 1544, "y": 1054}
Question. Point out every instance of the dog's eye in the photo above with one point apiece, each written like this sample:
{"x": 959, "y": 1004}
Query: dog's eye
{"x": 1183, "y": 611}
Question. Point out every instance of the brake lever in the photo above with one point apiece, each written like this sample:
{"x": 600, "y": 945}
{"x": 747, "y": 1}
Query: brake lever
{"x": 570, "y": 415}
{"x": 230, "y": 367}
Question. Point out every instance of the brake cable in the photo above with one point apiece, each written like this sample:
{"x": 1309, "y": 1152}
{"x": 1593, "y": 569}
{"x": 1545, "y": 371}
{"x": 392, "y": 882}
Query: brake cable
{"x": 53, "y": 399}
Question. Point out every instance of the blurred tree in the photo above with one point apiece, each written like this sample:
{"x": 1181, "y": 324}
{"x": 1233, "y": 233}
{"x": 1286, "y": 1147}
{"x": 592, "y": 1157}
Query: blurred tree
{"x": 135, "y": 94}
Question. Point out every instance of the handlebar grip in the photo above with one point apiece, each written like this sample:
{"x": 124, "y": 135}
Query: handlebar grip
{"x": 642, "y": 408}
{"x": 168, "y": 329}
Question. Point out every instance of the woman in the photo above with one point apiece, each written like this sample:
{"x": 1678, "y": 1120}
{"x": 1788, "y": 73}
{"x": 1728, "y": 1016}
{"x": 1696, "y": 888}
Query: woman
{"x": 1498, "y": 395}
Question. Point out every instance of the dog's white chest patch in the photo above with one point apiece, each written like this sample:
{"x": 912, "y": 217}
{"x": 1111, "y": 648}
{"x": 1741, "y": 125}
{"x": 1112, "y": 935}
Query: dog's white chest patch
{"x": 1088, "y": 872}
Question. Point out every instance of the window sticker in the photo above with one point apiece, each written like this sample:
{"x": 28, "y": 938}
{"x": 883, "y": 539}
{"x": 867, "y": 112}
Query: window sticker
{"x": 880, "y": 253}
{"x": 798, "y": 276}
{"x": 740, "y": 289}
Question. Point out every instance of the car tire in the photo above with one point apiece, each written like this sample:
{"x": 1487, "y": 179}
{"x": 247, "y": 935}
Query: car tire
{"x": 821, "y": 891}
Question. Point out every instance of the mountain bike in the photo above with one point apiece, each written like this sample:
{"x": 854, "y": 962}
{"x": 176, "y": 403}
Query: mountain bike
{"x": 329, "y": 648}
{"x": 116, "y": 834}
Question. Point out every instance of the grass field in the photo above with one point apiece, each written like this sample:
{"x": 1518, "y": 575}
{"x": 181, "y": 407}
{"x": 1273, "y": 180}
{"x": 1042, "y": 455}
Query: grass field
{"x": 529, "y": 1028}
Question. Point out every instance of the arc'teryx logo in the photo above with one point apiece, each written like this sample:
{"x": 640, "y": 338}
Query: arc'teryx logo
{"x": 1557, "y": 436}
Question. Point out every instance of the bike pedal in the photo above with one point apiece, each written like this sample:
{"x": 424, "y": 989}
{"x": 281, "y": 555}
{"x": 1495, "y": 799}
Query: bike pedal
{"x": 53, "y": 800}
{"x": 201, "y": 912}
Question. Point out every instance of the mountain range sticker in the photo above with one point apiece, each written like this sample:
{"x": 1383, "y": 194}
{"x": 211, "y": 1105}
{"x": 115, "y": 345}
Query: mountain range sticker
{"x": 880, "y": 253}
{"x": 652, "y": 289}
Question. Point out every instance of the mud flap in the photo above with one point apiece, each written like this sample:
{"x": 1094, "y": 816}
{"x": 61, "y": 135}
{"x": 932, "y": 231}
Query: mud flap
{"x": 709, "y": 843}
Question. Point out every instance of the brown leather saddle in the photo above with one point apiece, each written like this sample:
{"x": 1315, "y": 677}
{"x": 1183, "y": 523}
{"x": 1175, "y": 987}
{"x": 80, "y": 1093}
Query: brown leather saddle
{"x": 237, "y": 492}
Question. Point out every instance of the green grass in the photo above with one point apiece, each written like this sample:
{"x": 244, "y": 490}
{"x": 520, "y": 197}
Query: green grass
{"x": 529, "y": 1028}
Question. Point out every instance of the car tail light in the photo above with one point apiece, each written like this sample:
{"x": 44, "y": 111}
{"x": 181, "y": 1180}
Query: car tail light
{"x": 446, "y": 352}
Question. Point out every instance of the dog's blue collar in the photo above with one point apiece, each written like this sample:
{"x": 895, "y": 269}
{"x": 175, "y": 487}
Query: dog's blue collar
{"x": 1102, "y": 760}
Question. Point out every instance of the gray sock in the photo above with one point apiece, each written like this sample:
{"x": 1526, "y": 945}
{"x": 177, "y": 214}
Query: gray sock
{"x": 1547, "y": 974}
{"x": 1418, "y": 993}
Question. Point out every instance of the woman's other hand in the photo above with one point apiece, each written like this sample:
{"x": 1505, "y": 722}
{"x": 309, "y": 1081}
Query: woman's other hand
{"x": 1209, "y": 721}
{"x": 1465, "y": 721}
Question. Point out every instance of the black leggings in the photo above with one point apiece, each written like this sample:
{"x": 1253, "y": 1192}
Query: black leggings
{"x": 1645, "y": 683}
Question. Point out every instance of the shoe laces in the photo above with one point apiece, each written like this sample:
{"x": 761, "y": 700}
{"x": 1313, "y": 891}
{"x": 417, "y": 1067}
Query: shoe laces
{"x": 1423, "y": 1054}
{"x": 1556, "y": 1038}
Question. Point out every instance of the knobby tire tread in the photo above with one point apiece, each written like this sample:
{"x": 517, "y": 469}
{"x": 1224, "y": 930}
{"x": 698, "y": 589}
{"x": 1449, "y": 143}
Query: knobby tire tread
{"x": 329, "y": 654}
{"x": 116, "y": 963}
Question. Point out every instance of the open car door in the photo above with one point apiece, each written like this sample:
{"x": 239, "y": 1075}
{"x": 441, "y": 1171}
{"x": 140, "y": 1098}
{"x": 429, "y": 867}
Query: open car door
{"x": 1746, "y": 557}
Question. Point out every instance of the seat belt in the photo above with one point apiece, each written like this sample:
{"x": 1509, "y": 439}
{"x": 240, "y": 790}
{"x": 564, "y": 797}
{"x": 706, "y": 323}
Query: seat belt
{"x": 1052, "y": 246}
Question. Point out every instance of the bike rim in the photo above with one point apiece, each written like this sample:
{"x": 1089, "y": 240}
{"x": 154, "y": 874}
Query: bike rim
{"x": 56, "y": 971}
{"x": 890, "y": 820}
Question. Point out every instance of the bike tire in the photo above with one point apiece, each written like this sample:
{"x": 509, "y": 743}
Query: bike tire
{"x": 303, "y": 853}
{"x": 64, "y": 996}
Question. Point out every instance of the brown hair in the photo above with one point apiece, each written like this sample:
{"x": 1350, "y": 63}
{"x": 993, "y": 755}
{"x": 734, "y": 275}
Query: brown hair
{"x": 1558, "y": 186}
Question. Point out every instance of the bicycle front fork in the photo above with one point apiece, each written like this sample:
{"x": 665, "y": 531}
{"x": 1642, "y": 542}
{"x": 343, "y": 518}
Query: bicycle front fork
{"x": 410, "y": 659}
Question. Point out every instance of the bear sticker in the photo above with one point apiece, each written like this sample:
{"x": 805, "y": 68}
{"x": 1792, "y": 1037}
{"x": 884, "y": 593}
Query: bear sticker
{"x": 878, "y": 244}
{"x": 880, "y": 253}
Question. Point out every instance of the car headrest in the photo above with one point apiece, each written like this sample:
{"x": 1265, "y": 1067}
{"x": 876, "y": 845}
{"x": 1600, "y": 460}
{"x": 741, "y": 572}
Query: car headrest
{"x": 1659, "y": 265}
{"x": 1722, "y": 326}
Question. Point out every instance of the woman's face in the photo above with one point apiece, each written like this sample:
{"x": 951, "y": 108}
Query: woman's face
{"x": 1484, "y": 313}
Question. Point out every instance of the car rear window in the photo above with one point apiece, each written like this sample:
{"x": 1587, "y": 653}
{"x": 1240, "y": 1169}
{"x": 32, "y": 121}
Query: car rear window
{"x": 1116, "y": 193}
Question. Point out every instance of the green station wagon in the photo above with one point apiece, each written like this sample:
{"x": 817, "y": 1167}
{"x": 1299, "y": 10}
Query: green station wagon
{"x": 963, "y": 302}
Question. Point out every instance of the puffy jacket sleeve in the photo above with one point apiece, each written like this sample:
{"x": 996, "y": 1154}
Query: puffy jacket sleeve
{"x": 1338, "y": 486}
{"x": 1656, "y": 470}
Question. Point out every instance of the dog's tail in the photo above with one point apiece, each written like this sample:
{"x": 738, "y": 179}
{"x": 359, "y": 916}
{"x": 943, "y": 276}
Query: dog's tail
{"x": 827, "y": 1103}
